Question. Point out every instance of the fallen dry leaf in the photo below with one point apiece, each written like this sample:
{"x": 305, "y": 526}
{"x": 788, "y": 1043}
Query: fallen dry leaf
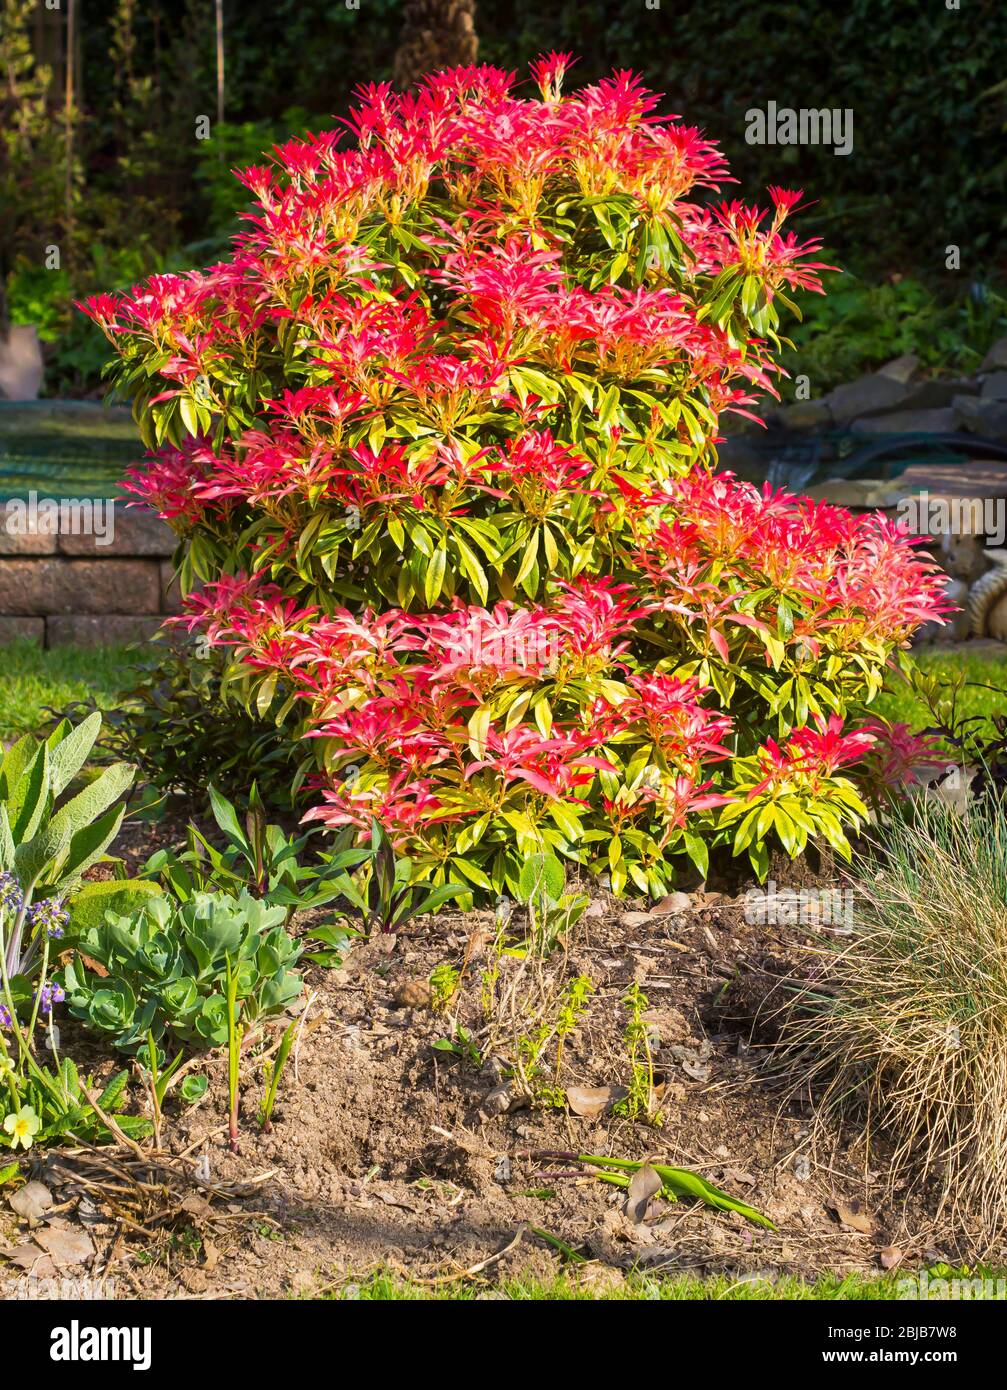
{"x": 592, "y": 1101}
{"x": 31, "y": 1201}
{"x": 673, "y": 904}
{"x": 477, "y": 942}
{"x": 95, "y": 966}
{"x": 31, "y": 1259}
{"x": 66, "y": 1247}
{"x": 644, "y": 1184}
{"x": 195, "y": 1205}
{"x": 853, "y": 1216}
{"x": 635, "y": 919}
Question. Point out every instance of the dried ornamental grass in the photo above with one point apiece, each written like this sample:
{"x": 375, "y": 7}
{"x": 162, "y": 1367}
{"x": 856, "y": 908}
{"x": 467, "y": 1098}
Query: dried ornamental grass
{"x": 905, "y": 1025}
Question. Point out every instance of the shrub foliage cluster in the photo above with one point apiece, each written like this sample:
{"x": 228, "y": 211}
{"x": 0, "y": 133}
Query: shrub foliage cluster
{"x": 439, "y": 438}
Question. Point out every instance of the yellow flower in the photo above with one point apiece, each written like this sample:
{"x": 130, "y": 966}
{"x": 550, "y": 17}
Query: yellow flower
{"x": 22, "y": 1127}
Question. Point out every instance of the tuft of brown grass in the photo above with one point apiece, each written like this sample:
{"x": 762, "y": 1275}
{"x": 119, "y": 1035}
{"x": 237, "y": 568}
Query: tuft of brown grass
{"x": 903, "y": 1027}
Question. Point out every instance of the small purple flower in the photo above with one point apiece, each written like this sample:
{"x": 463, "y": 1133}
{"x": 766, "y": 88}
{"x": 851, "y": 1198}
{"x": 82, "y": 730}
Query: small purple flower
{"x": 5, "y": 1020}
{"x": 11, "y": 897}
{"x": 50, "y": 914}
{"x": 51, "y": 994}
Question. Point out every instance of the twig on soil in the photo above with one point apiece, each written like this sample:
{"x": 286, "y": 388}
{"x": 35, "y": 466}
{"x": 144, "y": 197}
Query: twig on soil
{"x": 112, "y": 1125}
{"x": 473, "y": 1270}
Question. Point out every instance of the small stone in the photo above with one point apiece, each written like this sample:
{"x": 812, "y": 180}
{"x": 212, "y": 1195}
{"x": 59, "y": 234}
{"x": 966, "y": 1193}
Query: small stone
{"x": 995, "y": 387}
{"x": 996, "y": 358}
{"x": 902, "y": 368}
{"x": 937, "y": 421}
{"x": 413, "y": 994}
{"x": 503, "y": 1099}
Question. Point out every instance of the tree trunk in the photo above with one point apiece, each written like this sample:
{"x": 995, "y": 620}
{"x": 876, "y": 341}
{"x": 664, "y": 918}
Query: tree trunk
{"x": 435, "y": 34}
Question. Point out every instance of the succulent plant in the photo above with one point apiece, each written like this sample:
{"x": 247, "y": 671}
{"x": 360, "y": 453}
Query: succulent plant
{"x": 166, "y": 965}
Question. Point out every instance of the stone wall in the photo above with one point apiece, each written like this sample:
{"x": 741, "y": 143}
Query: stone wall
{"x": 60, "y": 589}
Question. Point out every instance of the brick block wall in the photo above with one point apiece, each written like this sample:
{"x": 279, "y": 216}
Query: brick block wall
{"x": 59, "y": 589}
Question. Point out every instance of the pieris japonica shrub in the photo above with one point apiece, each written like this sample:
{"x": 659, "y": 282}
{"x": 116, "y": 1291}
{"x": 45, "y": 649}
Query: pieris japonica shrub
{"x": 439, "y": 442}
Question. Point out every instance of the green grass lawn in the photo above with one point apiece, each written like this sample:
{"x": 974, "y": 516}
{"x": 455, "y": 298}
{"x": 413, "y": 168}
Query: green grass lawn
{"x": 32, "y": 679}
{"x": 390, "y": 1288}
{"x": 984, "y": 667}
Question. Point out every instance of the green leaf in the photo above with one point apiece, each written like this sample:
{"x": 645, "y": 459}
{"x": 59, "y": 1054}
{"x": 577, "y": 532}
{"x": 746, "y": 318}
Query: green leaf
{"x": 435, "y": 899}
{"x": 433, "y": 578}
{"x": 26, "y": 804}
{"x": 227, "y": 818}
{"x": 114, "y": 1094}
{"x": 123, "y": 897}
{"x": 89, "y": 804}
{"x": 264, "y": 694}
{"x": 33, "y": 856}
{"x": 15, "y": 760}
{"x": 70, "y": 754}
{"x": 88, "y": 845}
{"x": 6, "y": 842}
{"x": 541, "y": 875}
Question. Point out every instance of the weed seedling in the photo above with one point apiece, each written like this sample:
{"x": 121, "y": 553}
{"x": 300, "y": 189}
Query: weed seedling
{"x": 639, "y": 1103}
{"x": 275, "y": 1072}
{"x": 572, "y": 1007}
{"x": 461, "y": 1045}
{"x": 158, "y": 1081}
{"x": 444, "y": 982}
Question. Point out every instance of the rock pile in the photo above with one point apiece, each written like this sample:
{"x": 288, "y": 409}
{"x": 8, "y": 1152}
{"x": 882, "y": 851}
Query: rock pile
{"x": 961, "y": 507}
{"x": 897, "y": 400}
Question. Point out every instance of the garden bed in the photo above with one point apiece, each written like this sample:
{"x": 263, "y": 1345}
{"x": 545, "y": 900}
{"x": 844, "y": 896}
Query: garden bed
{"x": 385, "y": 1153}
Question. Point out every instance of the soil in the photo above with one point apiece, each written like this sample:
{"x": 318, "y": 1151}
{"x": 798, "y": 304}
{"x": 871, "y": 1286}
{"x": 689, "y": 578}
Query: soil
{"x": 387, "y": 1150}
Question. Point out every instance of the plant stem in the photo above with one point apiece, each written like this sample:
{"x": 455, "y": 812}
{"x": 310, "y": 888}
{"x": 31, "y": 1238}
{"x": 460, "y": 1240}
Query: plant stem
{"x": 234, "y": 1035}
